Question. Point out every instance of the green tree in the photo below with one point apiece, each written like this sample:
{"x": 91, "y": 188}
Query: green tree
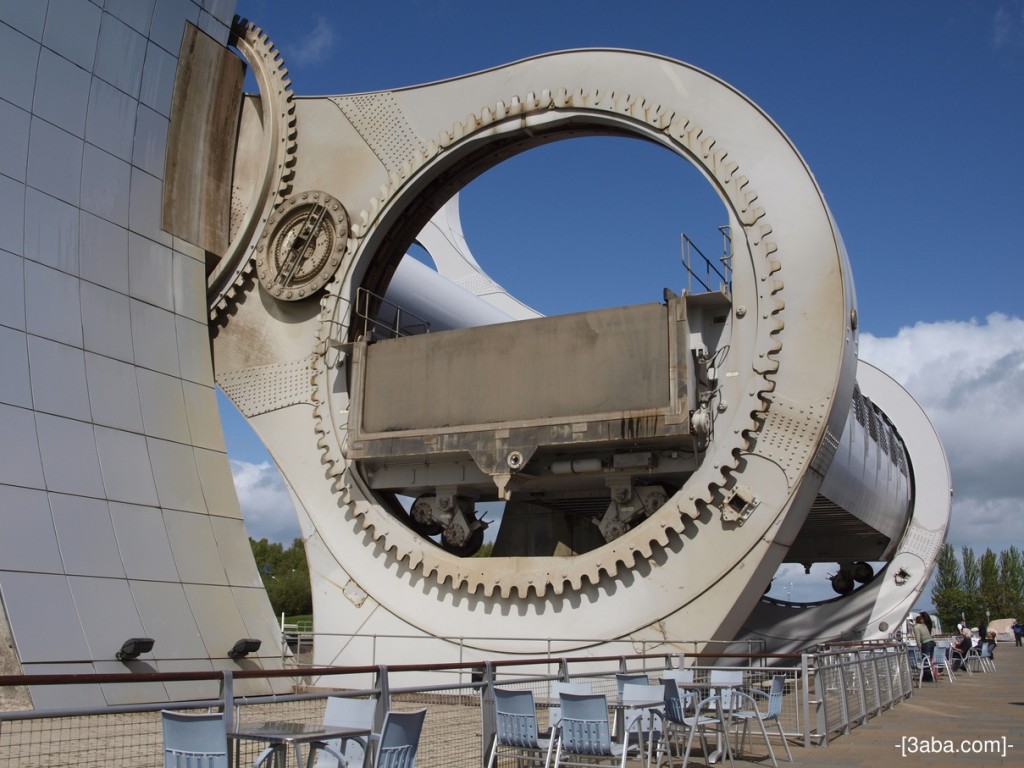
{"x": 285, "y": 575}
{"x": 989, "y": 585}
{"x": 972, "y": 573}
{"x": 1011, "y": 575}
{"x": 972, "y": 586}
{"x": 486, "y": 549}
{"x": 951, "y": 599}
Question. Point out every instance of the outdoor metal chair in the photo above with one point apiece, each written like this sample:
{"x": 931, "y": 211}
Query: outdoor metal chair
{"x": 961, "y": 660}
{"x": 709, "y": 713}
{"x": 940, "y": 661}
{"x": 725, "y": 682}
{"x": 584, "y": 734}
{"x": 682, "y": 677}
{"x": 399, "y": 739}
{"x": 641, "y": 720}
{"x": 196, "y": 740}
{"x": 773, "y": 712}
{"x": 919, "y": 663}
{"x": 622, "y": 678}
{"x": 555, "y": 710}
{"x": 974, "y": 661}
{"x": 988, "y": 661}
{"x": 353, "y": 713}
{"x": 517, "y": 735}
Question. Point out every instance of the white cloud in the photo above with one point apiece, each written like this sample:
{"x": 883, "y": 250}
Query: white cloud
{"x": 266, "y": 505}
{"x": 968, "y": 376}
{"x": 1008, "y": 25}
{"x": 317, "y": 46}
{"x": 969, "y": 379}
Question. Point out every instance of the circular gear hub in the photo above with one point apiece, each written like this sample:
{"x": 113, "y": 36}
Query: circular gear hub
{"x": 302, "y": 245}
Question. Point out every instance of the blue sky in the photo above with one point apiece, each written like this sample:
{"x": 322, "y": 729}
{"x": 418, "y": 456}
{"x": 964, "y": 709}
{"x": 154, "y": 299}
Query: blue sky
{"x": 910, "y": 114}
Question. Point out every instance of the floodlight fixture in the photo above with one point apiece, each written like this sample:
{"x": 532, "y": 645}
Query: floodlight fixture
{"x": 244, "y": 647}
{"x": 133, "y": 646}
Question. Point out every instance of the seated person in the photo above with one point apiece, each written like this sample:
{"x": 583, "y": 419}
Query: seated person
{"x": 960, "y": 648}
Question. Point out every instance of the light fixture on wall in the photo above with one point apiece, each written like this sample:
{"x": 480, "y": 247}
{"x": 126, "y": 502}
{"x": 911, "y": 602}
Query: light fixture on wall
{"x": 244, "y": 647}
{"x": 133, "y": 646}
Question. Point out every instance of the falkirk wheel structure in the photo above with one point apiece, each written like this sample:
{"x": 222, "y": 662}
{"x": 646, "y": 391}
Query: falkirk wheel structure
{"x": 656, "y": 464}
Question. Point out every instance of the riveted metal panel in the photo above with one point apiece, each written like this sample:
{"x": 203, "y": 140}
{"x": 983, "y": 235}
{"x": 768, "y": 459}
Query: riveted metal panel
{"x": 266, "y": 388}
{"x": 382, "y": 123}
{"x": 787, "y": 432}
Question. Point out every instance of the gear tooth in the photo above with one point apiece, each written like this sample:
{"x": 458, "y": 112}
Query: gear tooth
{"x": 643, "y": 551}
{"x": 664, "y": 118}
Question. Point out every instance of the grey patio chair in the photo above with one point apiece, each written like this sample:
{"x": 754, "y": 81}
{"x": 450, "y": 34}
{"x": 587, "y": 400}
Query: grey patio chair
{"x": 555, "y": 710}
{"x": 197, "y": 740}
{"x": 709, "y": 713}
{"x": 399, "y": 739}
{"x": 988, "y": 660}
{"x": 919, "y": 663}
{"x": 940, "y": 661}
{"x": 774, "y": 710}
{"x": 641, "y": 720}
{"x": 354, "y": 713}
{"x": 584, "y": 734}
{"x": 516, "y": 734}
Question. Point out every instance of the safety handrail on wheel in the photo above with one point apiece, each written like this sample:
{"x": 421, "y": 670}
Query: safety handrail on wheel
{"x": 371, "y": 309}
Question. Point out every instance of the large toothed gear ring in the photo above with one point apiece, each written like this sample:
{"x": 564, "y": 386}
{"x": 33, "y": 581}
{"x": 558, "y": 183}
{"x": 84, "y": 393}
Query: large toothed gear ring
{"x": 758, "y": 272}
{"x": 255, "y": 196}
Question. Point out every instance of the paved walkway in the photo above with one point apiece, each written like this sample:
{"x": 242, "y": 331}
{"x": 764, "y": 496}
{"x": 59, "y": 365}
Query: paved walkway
{"x": 939, "y": 717}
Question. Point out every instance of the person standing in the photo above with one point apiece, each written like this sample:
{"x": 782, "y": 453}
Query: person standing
{"x": 924, "y": 642}
{"x": 1017, "y": 629}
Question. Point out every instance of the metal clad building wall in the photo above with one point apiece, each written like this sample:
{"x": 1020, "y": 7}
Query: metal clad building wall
{"x": 118, "y": 513}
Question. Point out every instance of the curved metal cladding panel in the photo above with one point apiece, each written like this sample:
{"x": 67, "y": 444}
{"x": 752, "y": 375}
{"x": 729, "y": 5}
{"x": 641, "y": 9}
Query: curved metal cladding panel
{"x": 118, "y": 515}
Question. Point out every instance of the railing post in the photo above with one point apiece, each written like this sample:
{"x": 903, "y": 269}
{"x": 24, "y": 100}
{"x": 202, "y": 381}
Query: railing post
{"x": 862, "y": 688}
{"x": 383, "y": 686}
{"x": 488, "y": 715}
{"x": 227, "y": 694}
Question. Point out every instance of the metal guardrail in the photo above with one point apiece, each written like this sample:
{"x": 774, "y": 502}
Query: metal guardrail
{"x": 688, "y": 248}
{"x": 854, "y": 682}
{"x": 379, "y": 648}
{"x": 383, "y": 319}
{"x": 829, "y": 691}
